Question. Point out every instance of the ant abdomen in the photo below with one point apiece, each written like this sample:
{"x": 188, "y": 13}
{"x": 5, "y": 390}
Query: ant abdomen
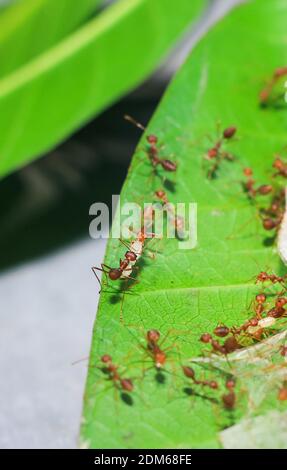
{"x": 229, "y": 400}
{"x": 221, "y": 331}
{"x": 168, "y": 165}
{"x": 188, "y": 372}
{"x": 106, "y": 358}
{"x": 229, "y": 132}
{"x": 127, "y": 385}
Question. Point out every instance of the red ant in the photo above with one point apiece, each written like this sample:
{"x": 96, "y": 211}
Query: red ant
{"x": 190, "y": 374}
{"x": 273, "y": 215}
{"x": 278, "y": 311}
{"x": 259, "y": 307}
{"x": 280, "y": 166}
{"x": 249, "y": 185}
{"x": 265, "y": 94}
{"x": 122, "y": 272}
{"x": 177, "y": 220}
{"x": 254, "y": 327}
{"x": 113, "y": 375}
{"x": 263, "y": 276}
{"x": 135, "y": 250}
{"x": 154, "y": 350}
{"x": 229, "y": 399}
{"x": 230, "y": 344}
{"x": 153, "y": 149}
{"x": 216, "y": 153}
{"x": 283, "y": 351}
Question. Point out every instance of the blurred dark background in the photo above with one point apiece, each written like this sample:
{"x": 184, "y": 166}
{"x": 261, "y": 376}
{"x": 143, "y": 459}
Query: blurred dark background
{"x": 48, "y": 294}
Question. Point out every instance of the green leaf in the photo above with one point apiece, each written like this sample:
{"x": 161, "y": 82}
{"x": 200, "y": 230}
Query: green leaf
{"x": 47, "y": 99}
{"x": 29, "y": 27}
{"x": 184, "y": 293}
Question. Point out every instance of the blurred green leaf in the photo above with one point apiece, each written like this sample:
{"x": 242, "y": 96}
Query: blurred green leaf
{"x": 29, "y": 27}
{"x": 44, "y": 101}
{"x": 184, "y": 293}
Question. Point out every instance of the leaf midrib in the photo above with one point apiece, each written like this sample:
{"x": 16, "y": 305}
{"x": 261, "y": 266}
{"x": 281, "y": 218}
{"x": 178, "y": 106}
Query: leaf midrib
{"x": 69, "y": 46}
{"x": 198, "y": 288}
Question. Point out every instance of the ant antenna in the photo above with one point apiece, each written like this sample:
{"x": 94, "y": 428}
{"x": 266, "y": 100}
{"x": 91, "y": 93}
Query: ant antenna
{"x": 80, "y": 360}
{"x": 133, "y": 121}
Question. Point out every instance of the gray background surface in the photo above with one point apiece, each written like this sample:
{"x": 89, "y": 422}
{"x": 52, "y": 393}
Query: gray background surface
{"x": 48, "y": 304}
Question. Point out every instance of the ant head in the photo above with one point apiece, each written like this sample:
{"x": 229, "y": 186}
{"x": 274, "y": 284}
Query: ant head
{"x": 280, "y": 302}
{"x": 130, "y": 256}
{"x": 127, "y": 385}
{"x": 260, "y": 298}
{"x": 115, "y": 274}
{"x": 221, "y": 331}
{"x": 213, "y": 384}
{"x": 212, "y": 153}
{"x": 106, "y": 358}
{"x": 160, "y": 194}
{"x": 283, "y": 351}
{"x": 248, "y": 171}
{"x": 263, "y": 276}
{"x": 168, "y": 165}
{"x": 152, "y": 139}
{"x": 278, "y": 163}
{"x": 230, "y": 384}
{"x": 253, "y": 321}
{"x": 205, "y": 338}
{"x": 229, "y": 132}
{"x": 264, "y": 96}
{"x": 153, "y": 336}
{"x": 280, "y": 72}
{"x": 188, "y": 372}
{"x": 269, "y": 224}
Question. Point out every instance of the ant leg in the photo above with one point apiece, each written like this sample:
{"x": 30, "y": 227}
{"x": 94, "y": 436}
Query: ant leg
{"x": 228, "y": 156}
{"x": 106, "y": 266}
{"x": 94, "y": 268}
{"x": 126, "y": 244}
{"x": 129, "y": 118}
{"x": 83, "y": 359}
{"x": 121, "y": 310}
{"x": 214, "y": 168}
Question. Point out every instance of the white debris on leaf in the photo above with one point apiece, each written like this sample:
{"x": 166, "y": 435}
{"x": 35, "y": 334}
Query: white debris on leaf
{"x": 282, "y": 236}
{"x": 263, "y": 432}
{"x": 254, "y": 367}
